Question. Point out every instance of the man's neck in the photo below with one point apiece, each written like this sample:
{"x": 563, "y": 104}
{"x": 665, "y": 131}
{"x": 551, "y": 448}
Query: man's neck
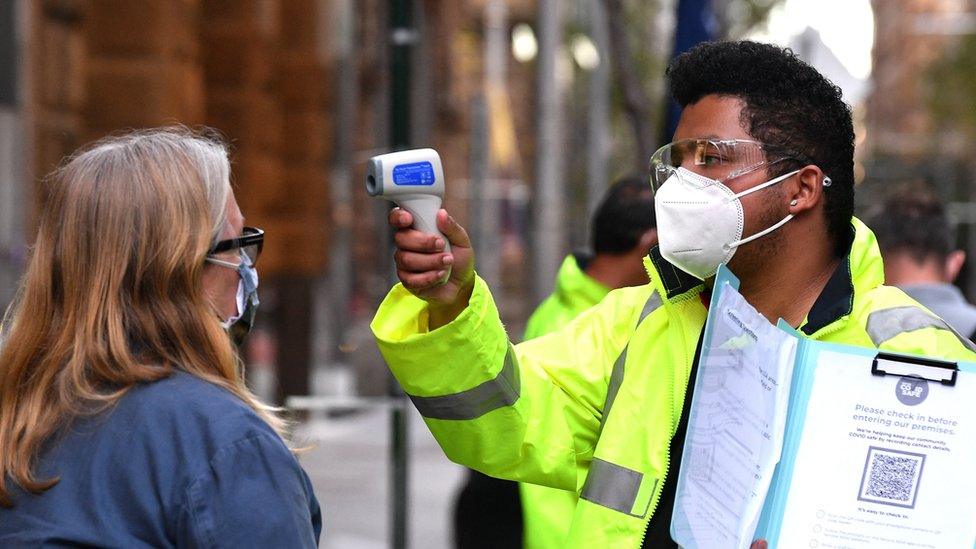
{"x": 904, "y": 270}
{"x": 790, "y": 283}
{"x": 617, "y": 271}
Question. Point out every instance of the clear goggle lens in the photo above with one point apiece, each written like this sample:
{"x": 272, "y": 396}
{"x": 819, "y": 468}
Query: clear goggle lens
{"x": 721, "y": 160}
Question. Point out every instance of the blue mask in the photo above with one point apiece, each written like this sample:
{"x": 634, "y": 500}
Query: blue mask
{"x": 240, "y": 324}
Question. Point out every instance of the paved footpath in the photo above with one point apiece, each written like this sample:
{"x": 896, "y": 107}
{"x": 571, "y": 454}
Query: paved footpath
{"x": 349, "y": 467}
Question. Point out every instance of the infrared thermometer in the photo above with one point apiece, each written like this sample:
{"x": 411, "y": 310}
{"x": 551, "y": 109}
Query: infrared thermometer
{"x": 414, "y": 180}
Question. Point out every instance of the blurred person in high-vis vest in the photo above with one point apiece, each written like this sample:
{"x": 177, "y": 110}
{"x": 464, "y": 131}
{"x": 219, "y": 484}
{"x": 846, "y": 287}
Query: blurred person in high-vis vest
{"x": 622, "y": 234}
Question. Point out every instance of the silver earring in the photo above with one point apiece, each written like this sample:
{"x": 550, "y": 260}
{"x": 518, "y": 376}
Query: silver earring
{"x": 793, "y": 202}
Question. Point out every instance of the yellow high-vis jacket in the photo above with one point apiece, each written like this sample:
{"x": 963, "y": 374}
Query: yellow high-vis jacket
{"x": 575, "y": 292}
{"x": 547, "y": 513}
{"x": 593, "y": 407}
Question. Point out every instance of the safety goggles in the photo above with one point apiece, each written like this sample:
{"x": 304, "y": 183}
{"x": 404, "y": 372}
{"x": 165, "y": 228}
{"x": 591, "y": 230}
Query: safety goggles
{"x": 719, "y": 159}
{"x": 250, "y": 245}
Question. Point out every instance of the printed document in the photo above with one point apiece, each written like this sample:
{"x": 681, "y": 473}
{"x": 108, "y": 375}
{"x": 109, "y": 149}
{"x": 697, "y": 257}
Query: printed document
{"x": 735, "y": 429}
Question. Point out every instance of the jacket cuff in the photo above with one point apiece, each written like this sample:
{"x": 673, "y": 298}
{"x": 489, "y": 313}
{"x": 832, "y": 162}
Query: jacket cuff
{"x": 459, "y": 356}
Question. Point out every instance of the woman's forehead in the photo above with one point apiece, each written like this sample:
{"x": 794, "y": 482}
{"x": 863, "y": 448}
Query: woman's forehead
{"x": 235, "y": 219}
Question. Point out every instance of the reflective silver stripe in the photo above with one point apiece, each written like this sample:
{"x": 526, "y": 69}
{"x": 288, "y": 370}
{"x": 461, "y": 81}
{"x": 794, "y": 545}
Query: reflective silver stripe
{"x": 617, "y": 374}
{"x": 885, "y": 324}
{"x": 616, "y": 378}
{"x": 495, "y": 393}
{"x": 650, "y": 306}
{"x": 612, "y": 486}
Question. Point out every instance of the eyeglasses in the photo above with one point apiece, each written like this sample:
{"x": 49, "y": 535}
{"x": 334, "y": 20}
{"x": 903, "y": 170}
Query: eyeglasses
{"x": 718, "y": 159}
{"x": 250, "y": 244}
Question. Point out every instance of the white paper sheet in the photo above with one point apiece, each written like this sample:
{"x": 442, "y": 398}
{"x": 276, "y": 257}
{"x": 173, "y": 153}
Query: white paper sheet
{"x": 735, "y": 429}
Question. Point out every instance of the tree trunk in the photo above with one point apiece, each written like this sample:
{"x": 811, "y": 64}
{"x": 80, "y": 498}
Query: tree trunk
{"x": 637, "y": 104}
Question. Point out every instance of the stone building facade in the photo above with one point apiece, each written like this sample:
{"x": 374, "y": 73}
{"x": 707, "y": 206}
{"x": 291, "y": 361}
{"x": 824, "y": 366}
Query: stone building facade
{"x": 301, "y": 89}
{"x": 909, "y": 36}
{"x": 258, "y": 71}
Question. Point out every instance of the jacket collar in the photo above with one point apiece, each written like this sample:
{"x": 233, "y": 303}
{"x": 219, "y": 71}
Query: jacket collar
{"x": 574, "y": 286}
{"x": 860, "y": 270}
{"x": 673, "y": 280}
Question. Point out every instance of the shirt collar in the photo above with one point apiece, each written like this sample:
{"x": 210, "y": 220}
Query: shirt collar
{"x": 836, "y": 300}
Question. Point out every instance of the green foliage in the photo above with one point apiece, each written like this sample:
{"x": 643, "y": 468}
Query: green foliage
{"x": 738, "y": 18}
{"x": 952, "y": 88}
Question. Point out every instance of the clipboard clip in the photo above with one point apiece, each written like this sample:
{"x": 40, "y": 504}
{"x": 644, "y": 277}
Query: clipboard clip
{"x": 888, "y": 364}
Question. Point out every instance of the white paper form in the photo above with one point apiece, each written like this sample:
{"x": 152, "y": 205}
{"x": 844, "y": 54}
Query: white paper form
{"x": 735, "y": 427}
{"x": 883, "y": 461}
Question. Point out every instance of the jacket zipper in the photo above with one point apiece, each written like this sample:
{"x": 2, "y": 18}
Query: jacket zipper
{"x": 667, "y": 463}
{"x": 667, "y": 466}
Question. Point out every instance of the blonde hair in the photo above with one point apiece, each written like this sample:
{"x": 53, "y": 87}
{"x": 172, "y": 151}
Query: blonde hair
{"x": 113, "y": 292}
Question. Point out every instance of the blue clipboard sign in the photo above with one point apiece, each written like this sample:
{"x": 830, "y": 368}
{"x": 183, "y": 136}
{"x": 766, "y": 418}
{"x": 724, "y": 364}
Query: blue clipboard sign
{"x": 892, "y": 414}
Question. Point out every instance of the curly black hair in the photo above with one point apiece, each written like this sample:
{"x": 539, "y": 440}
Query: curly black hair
{"x": 788, "y": 105}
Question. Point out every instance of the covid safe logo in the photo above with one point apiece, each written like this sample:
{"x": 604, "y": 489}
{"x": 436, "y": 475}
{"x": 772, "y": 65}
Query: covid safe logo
{"x": 911, "y": 391}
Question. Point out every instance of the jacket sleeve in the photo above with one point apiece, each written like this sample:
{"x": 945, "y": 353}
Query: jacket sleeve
{"x": 896, "y": 323}
{"x": 528, "y": 412}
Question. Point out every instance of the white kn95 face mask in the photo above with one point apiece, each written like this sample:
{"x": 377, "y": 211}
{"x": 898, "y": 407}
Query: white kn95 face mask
{"x": 700, "y": 221}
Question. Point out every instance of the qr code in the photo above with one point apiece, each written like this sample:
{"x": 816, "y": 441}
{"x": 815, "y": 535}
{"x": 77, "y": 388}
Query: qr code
{"x": 891, "y": 477}
{"x": 701, "y": 461}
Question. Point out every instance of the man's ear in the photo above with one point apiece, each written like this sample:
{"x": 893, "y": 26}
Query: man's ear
{"x": 647, "y": 241}
{"x": 807, "y": 189}
{"x": 953, "y": 264}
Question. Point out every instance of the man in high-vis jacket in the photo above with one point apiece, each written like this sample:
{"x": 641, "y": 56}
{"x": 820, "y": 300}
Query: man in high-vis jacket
{"x": 760, "y": 177}
{"x": 531, "y": 515}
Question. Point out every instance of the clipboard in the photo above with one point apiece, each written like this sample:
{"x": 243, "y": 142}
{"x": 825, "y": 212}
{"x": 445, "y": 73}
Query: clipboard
{"x": 881, "y": 366}
{"x": 853, "y": 508}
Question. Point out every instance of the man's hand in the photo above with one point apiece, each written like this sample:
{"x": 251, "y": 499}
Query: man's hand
{"x": 759, "y": 544}
{"x": 443, "y": 279}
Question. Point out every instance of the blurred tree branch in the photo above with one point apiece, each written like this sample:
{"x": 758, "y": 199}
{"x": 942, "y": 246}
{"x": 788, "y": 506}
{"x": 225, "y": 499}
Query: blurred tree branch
{"x": 952, "y": 89}
{"x": 636, "y": 101}
{"x": 737, "y": 18}
{"x": 638, "y": 64}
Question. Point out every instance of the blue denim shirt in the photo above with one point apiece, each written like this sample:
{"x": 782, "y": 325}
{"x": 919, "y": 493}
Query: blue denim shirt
{"x": 176, "y": 463}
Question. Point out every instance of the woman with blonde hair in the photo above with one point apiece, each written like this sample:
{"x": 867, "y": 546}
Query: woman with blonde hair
{"x": 124, "y": 419}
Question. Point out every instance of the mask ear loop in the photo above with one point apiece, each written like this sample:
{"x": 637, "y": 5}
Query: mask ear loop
{"x": 763, "y": 233}
{"x": 769, "y": 183}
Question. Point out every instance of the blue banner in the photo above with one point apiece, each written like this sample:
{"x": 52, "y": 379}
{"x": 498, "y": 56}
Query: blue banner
{"x": 695, "y": 24}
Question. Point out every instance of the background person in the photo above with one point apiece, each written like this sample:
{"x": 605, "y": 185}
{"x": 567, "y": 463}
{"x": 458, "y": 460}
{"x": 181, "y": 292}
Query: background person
{"x": 124, "y": 420}
{"x": 920, "y": 255}
{"x": 496, "y": 513}
{"x": 623, "y": 232}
